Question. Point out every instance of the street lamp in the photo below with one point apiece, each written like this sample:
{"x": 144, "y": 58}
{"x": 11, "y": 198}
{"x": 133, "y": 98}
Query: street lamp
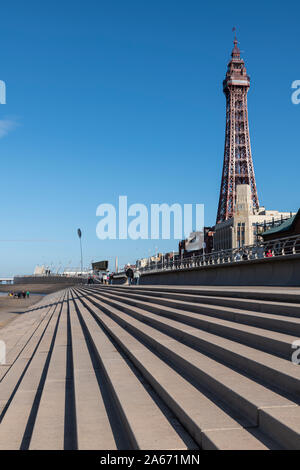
{"x": 79, "y": 233}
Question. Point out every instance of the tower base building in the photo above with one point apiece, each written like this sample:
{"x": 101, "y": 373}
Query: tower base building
{"x": 247, "y": 223}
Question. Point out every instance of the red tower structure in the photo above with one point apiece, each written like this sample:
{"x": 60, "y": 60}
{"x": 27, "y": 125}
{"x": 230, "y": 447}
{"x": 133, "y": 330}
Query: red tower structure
{"x": 238, "y": 165}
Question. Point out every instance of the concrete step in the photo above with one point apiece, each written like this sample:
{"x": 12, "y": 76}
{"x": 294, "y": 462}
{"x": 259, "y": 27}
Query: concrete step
{"x": 279, "y": 323}
{"x": 18, "y": 333}
{"x": 247, "y": 439}
{"x": 21, "y": 401}
{"x": 52, "y": 424}
{"x": 239, "y": 392}
{"x": 108, "y": 369}
{"x": 284, "y": 423}
{"x": 265, "y": 306}
{"x": 195, "y": 410}
{"x": 132, "y": 401}
{"x": 265, "y": 340}
{"x": 269, "y": 293}
{"x": 204, "y": 303}
{"x": 25, "y": 336}
{"x": 263, "y": 366}
{"x": 94, "y": 431}
{"x": 14, "y": 371}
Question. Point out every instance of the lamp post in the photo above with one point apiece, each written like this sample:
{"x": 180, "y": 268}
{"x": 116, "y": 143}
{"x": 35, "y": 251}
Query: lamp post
{"x": 203, "y": 251}
{"x": 79, "y": 233}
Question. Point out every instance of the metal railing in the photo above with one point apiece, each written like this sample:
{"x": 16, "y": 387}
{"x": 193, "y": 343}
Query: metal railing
{"x": 265, "y": 250}
{"x": 273, "y": 222}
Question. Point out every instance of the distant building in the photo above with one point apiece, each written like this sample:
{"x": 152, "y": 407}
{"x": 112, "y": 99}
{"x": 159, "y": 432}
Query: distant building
{"x": 141, "y": 263}
{"x": 288, "y": 228}
{"x": 242, "y": 228}
{"x": 196, "y": 243}
{"x": 171, "y": 256}
{"x": 39, "y": 271}
{"x": 73, "y": 272}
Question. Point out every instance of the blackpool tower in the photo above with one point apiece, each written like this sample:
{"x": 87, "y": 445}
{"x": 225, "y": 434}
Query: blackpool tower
{"x": 238, "y": 165}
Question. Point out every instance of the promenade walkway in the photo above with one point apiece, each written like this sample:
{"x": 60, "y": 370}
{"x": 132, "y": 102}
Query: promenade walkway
{"x": 114, "y": 367}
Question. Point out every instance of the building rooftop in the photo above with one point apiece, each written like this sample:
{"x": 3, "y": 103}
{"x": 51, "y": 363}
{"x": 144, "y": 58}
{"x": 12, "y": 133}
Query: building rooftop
{"x": 285, "y": 226}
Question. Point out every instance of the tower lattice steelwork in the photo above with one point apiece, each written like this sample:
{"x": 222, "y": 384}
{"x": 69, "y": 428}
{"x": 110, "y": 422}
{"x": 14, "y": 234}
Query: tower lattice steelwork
{"x": 238, "y": 165}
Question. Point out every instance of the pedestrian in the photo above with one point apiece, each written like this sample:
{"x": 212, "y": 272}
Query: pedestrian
{"x": 27, "y": 294}
{"x": 23, "y": 294}
{"x": 137, "y": 275}
{"x": 269, "y": 254}
{"x": 129, "y": 274}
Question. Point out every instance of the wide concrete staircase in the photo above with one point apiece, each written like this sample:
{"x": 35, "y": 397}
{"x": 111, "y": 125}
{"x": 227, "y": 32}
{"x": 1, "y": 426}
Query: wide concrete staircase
{"x": 113, "y": 367}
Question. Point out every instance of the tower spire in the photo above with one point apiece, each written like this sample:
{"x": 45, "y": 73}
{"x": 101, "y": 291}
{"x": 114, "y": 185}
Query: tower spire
{"x": 234, "y": 31}
{"x": 238, "y": 165}
{"x": 235, "y": 52}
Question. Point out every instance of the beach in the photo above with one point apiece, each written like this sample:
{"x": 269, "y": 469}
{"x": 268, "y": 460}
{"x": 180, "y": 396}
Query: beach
{"x": 11, "y": 308}
{"x": 42, "y": 288}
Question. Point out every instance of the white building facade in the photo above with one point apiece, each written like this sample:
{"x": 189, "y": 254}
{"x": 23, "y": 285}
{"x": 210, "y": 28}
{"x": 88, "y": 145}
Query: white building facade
{"x": 241, "y": 229}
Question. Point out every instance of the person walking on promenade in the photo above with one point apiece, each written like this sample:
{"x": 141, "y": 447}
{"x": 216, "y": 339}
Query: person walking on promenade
{"x": 137, "y": 275}
{"x": 27, "y": 294}
{"x": 129, "y": 274}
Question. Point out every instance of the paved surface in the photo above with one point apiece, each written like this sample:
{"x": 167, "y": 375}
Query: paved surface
{"x": 111, "y": 367}
{"x": 258, "y": 292}
{"x": 12, "y": 308}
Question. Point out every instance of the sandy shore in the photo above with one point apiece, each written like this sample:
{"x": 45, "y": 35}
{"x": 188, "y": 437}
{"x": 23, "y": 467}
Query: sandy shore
{"x": 33, "y": 288}
{"x": 11, "y": 308}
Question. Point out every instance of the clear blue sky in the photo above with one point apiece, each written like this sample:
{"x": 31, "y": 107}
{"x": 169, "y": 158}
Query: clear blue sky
{"x": 124, "y": 97}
